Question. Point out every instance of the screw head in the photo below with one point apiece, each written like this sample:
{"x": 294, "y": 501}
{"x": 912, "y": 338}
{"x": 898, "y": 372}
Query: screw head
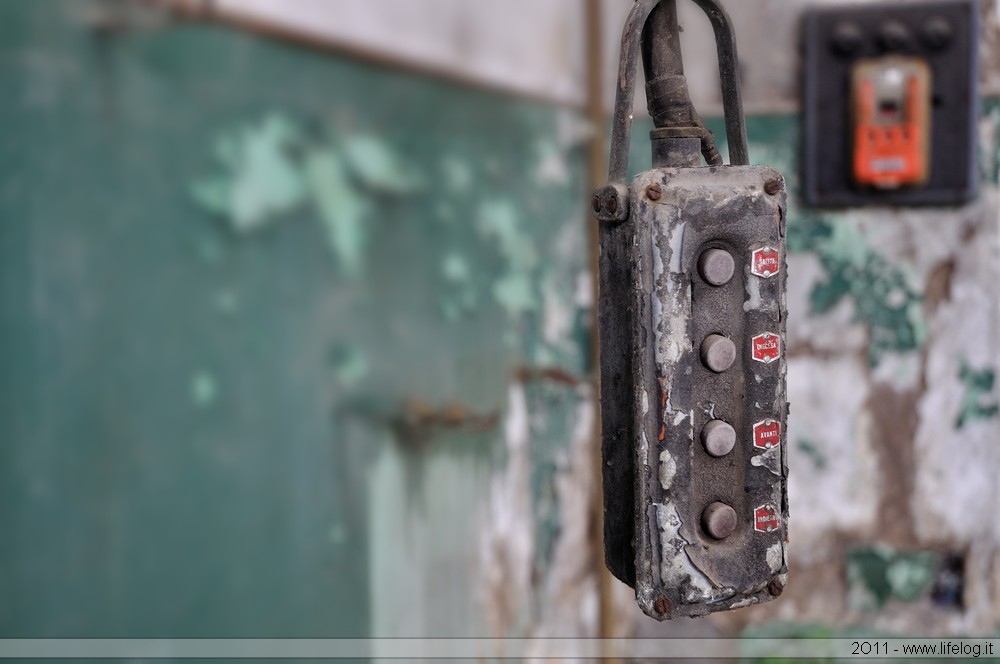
{"x": 719, "y": 438}
{"x": 654, "y": 192}
{"x": 720, "y": 520}
{"x": 775, "y": 587}
{"x": 718, "y": 353}
{"x": 717, "y": 266}
{"x": 596, "y": 203}
{"x": 613, "y": 203}
{"x": 661, "y": 606}
{"x": 772, "y": 187}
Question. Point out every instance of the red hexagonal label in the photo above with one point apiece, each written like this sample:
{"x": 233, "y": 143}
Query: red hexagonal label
{"x": 766, "y": 519}
{"x": 766, "y": 262}
{"x": 767, "y": 434}
{"x": 766, "y": 347}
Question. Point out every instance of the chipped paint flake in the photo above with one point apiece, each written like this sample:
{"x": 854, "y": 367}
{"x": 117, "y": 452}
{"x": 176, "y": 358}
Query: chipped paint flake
{"x": 204, "y": 389}
{"x": 676, "y": 243}
{"x": 754, "y": 300}
{"x": 977, "y": 403}
{"x": 771, "y": 459}
{"x": 508, "y": 543}
{"x": 343, "y": 210}
{"x": 775, "y": 557}
{"x": 672, "y": 343}
{"x": 515, "y": 290}
{"x": 668, "y": 469}
{"x": 261, "y": 181}
{"x": 882, "y": 292}
{"x": 676, "y": 569}
{"x": 378, "y": 167}
{"x": 553, "y": 167}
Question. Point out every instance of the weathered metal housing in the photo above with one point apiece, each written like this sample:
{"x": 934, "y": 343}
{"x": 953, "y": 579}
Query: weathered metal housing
{"x": 657, "y": 395}
{"x": 692, "y": 328}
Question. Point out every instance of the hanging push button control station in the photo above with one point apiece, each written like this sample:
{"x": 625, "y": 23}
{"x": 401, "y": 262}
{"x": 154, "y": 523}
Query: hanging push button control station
{"x": 692, "y": 332}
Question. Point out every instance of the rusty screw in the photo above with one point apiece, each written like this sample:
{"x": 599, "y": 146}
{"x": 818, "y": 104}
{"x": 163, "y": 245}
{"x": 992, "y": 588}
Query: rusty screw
{"x": 661, "y": 606}
{"x": 654, "y": 192}
{"x": 597, "y": 203}
{"x": 613, "y": 204}
{"x": 775, "y": 588}
{"x": 772, "y": 187}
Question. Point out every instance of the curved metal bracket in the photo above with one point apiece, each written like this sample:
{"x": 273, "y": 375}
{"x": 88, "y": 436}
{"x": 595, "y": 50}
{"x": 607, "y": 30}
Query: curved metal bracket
{"x": 621, "y": 133}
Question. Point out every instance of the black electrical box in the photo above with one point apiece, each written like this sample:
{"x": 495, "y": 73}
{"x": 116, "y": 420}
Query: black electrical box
{"x": 891, "y": 104}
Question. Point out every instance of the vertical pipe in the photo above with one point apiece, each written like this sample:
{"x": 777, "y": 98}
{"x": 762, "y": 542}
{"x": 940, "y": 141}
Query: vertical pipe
{"x": 597, "y": 170}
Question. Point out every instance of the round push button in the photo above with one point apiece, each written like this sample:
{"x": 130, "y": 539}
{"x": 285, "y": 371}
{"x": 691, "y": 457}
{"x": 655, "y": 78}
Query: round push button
{"x": 720, "y": 520}
{"x": 719, "y": 438}
{"x": 718, "y": 353}
{"x": 717, "y": 266}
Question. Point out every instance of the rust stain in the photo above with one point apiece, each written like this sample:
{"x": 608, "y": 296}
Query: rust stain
{"x": 527, "y": 374}
{"x": 939, "y": 284}
{"x": 451, "y": 415}
{"x": 417, "y": 421}
{"x": 895, "y": 420}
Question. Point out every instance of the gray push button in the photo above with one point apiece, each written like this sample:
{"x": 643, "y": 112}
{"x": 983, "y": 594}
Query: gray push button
{"x": 717, "y": 267}
{"x": 719, "y": 438}
{"x": 718, "y": 353}
{"x": 719, "y": 520}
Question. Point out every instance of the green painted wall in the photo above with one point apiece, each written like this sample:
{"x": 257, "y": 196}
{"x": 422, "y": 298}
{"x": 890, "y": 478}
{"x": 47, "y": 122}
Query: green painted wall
{"x": 243, "y": 282}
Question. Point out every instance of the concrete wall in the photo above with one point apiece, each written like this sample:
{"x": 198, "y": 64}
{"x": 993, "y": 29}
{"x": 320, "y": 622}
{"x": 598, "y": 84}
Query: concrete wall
{"x": 536, "y": 48}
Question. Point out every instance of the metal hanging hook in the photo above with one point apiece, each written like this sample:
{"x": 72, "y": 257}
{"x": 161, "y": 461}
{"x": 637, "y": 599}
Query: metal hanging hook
{"x": 610, "y": 203}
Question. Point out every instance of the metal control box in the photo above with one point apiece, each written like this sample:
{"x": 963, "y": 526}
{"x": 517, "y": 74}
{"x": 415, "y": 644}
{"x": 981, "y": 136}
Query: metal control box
{"x": 707, "y": 319}
{"x": 692, "y": 333}
{"x": 918, "y": 149}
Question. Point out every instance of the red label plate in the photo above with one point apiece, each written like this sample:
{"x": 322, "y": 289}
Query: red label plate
{"x": 766, "y": 519}
{"x": 766, "y": 347}
{"x": 766, "y": 262}
{"x": 767, "y": 434}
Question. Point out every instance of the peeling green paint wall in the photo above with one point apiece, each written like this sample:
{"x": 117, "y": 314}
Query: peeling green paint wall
{"x": 261, "y": 311}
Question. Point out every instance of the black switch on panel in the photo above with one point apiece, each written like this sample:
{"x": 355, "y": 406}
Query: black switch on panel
{"x": 891, "y": 103}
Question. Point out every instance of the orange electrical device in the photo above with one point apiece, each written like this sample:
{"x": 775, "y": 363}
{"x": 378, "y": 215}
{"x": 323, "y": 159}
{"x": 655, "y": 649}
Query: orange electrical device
{"x": 892, "y": 116}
